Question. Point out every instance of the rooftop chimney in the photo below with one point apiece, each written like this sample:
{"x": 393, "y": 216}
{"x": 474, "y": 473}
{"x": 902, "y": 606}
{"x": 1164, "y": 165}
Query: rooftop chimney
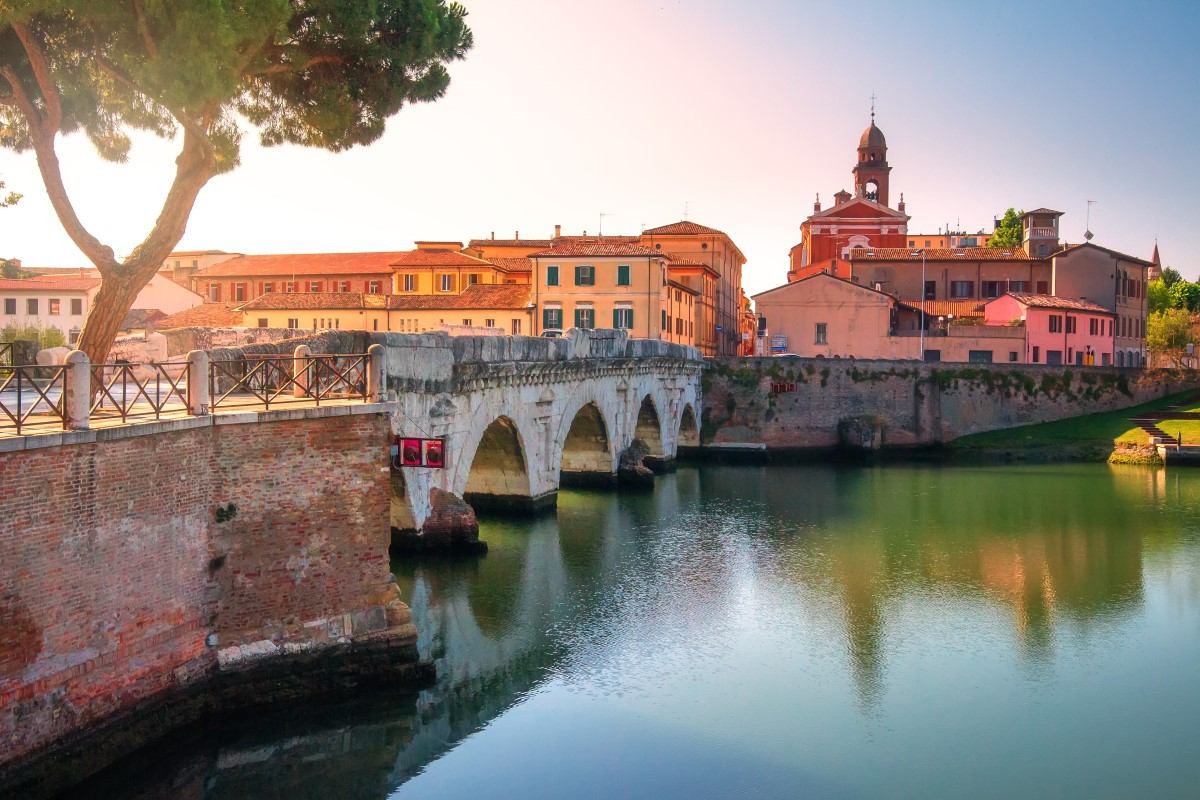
{"x": 516, "y": 234}
{"x": 493, "y": 235}
{"x": 557, "y": 231}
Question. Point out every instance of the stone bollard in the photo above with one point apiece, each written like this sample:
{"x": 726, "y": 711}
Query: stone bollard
{"x": 199, "y": 397}
{"x": 77, "y": 391}
{"x": 375, "y": 385}
{"x": 301, "y": 370}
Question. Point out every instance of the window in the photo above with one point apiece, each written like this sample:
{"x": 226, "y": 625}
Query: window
{"x": 623, "y": 317}
{"x": 374, "y": 324}
{"x": 195, "y": 263}
{"x": 623, "y": 277}
{"x": 239, "y": 291}
{"x": 410, "y": 283}
{"x": 1092, "y": 325}
{"x": 214, "y": 293}
{"x": 289, "y": 287}
{"x": 1012, "y": 355}
{"x": 343, "y": 286}
{"x": 821, "y": 333}
{"x": 446, "y": 283}
{"x": 1079, "y": 358}
{"x": 31, "y": 307}
{"x": 314, "y": 286}
{"x": 993, "y": 288}
{"x": 552, "y": 276}
{"x": 927, "y": 243}
{"x": 262, "y": 322}
{"x": 663, "y": 321}
{"x": 293, "y": 323}
{"x": 472, "y": 278}
{"x": 372, "y": 287}
{"x": 585, "y": 276}
{"x": 54, "y": 306}
{"x": 931, "y": 290}
{"x": 1056, "y": 323}
{"x": 962, "y": 289}
{"x": 1043, "y": 287}
{"x": 1106, "y": 360}
{"x": 1018, "y": 286}
{"x": 678, "y": 326}
{"x": 1054, "y": 358}
{"x": 76, "y": 307}
{"x": 1070, "y": 324}
{"x": 1109, "y": 328}
{"x": 979, "y": 356}
{"x": 933, "y": 356}
{"x": 467, "y": 322}
{"x": 552, "y": 317}
{"x": 516, "y": 327}
{"x": 268, "y": 288}
{"x": 1037, "y": 355}
{"x": 912, "y": 242}
{"x": 10, "y": 305}
{"x": 489, "y": 323}
{"x": 585, "y": 317}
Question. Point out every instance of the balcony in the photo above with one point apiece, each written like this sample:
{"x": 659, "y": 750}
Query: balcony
{"x": 1043, "y": 233}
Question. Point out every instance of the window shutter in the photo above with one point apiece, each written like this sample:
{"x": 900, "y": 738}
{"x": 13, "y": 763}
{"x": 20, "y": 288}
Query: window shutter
{"x": 552, "y": 276}
{"x": 616, "y": 317}
{"x": 578, "y": 312}
{"x": 548, "y": 318}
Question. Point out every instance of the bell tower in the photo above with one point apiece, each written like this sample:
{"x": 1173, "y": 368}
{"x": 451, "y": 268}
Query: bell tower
{"x": 871, "y": 171}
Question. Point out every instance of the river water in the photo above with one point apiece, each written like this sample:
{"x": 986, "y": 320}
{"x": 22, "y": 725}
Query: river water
{"x": 777, "y": 632}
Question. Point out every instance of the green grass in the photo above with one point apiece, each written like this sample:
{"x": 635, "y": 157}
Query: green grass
{"x": 1106, "y": 429}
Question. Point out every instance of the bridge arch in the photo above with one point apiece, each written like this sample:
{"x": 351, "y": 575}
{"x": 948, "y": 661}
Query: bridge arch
{"x": 494, "y": 471}
{"x": 648, "y": 427}
{"x": 689, "y": 428}
{"x": 588, "y": 450}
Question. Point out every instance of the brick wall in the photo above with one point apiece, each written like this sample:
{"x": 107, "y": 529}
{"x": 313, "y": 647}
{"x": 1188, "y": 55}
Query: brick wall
{"x": 114, "y": 570}
{"x": 814, "y": 403}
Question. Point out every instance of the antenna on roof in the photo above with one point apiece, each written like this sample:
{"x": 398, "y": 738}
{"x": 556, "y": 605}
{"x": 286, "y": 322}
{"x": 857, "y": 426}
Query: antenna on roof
{"x": 603, "y": 214}
{"x": 872, "y": 108}
{"x": 686, "y": 205}
{"x": 1087, "y": 234}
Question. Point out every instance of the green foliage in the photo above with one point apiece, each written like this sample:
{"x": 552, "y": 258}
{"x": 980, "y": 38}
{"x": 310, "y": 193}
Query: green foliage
{"x": 1158, "y": 295}
{"x": 321, "y": 73}
{"x": 227, "y": 513}
{"x": 45, "y": 337}
{"x": 1171, "y": 276}
{"x": 10, "y": 199}
{"x": 1008, "y": 230}
{"x": 1184, "y": 295}
{"x": 10, "y": 271}
{"x": 1168, "y": 332}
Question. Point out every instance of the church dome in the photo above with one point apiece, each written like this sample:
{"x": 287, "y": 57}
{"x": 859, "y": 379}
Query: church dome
{"x": 872, "y": 137}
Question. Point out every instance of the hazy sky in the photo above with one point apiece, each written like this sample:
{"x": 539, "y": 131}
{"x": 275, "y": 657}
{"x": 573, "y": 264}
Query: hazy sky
{"x": 740, "y": 110}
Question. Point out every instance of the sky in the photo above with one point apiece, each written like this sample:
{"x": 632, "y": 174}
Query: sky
{"x": 735, "y": 113}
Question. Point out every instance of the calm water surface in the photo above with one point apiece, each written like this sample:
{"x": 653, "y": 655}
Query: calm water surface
{"x": 778, "y": 632}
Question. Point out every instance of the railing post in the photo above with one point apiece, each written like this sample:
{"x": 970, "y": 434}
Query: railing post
{"x": 375, "y": 385}
{"x": 198, "y": 397}
{"x": 301, "y": 361}
{"x": 77, "y": 390}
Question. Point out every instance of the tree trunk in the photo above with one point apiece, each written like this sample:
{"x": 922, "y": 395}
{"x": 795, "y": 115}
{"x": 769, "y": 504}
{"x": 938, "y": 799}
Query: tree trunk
{"x": 111, "y": 304}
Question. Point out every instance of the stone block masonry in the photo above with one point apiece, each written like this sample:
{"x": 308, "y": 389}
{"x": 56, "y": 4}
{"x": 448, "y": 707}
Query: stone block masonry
{"x": 168, "y": 558}
{"x": 807, "y": 403}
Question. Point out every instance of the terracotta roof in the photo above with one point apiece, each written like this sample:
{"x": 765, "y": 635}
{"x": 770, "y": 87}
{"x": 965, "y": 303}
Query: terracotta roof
{"x": 944, "y": 308}
{"x": 306, "y": 300}
{"x": 570, "y": 248}
{"x": 480, "y": 296}
{"x": 182, "y": 253}
{"x": 510, "y": 243}
{"x": 684, "y": 287}
{"x": 141, "y": 318}
{"x": 286, "y": 265}
{"x": 513, "y": 264}
{"x": 682, "y": 229}
{"x": 1050, "y": 301}
{"x": 676, "y": 261}
{"x": 42, "y": 283}
{"x": 436, "y": 258}
{"x": 872, "y": 137}
{"x": 1067, "y": 248}
{"x": 941, "y": 254}
{"x": 824, "y": 276}
{"x": 1043, "y": 211}
{"x": 205, "y": 315}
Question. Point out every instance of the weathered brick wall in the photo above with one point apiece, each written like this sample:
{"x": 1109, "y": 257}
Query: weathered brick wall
{"x": 114, "y": 569}
{"x": 815, "y": 403}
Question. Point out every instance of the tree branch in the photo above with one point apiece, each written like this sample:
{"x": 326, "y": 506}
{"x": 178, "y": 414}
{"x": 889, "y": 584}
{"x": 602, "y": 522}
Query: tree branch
{"x": 144, "y": 29}
{"x": 277, "y": 69}
{"x": 41, "y": 72}
{"x": 42, "y": 139}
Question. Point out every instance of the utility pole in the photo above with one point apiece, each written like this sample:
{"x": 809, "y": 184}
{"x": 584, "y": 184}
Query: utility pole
{"x": 923, "y": 299}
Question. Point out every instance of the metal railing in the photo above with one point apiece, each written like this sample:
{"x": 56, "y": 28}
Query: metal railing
{"x": 138, "y": 390}
{"x": 277, "y": 379}
{"x": 28, "y": 396}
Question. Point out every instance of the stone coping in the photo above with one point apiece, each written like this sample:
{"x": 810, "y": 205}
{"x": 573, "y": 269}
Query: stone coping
{"x": 135, "y": 428}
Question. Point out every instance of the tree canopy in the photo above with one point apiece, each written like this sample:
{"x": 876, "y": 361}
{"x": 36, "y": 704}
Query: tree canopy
{"x": 1169, "y": 332}
{"x": 1008, "y": 230}
{"x": 1171, "y": 276}
{"x": 319, "y": 73}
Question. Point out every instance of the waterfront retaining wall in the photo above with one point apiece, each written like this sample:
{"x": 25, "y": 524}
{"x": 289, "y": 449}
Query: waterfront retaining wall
{"x": 798, "y": 403}
{"x": 148, "y": 559}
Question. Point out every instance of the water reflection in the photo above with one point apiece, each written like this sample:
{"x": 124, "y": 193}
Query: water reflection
{"x": 777, "y": 585}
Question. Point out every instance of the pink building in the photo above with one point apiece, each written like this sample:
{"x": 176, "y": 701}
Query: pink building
{"x": 1057, "y": 330}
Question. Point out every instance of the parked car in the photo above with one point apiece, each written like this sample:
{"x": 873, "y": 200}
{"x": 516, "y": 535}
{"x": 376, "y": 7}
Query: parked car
{"x": 552, "y": 333}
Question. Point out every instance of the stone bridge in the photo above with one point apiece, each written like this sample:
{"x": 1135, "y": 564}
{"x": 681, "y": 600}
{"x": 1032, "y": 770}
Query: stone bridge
{"x": 522, "y": 416}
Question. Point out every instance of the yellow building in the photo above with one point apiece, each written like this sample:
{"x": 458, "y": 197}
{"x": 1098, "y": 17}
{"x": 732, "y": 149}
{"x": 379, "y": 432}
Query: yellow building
{"x": 503, "y": 306}
{"x": 441, "y": 268}
{"x": 582, "y": 283}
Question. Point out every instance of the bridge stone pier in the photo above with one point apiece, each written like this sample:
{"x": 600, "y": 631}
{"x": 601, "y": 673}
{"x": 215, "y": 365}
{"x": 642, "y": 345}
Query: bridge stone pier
{"x": 522, "y": 416}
